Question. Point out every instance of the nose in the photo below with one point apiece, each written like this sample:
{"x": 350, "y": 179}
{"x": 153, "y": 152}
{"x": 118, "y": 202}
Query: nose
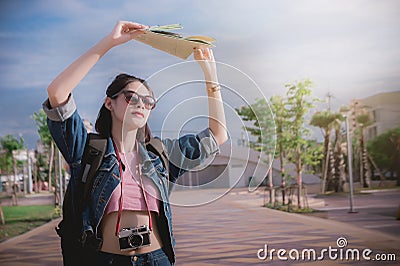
{"x": 140, "y": 103}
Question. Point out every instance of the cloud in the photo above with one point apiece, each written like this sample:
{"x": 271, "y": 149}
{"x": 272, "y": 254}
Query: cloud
{"x": 348, "y": 48}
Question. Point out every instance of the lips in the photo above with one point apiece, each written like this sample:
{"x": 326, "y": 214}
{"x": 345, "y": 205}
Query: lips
{"x": 138, "y": 114}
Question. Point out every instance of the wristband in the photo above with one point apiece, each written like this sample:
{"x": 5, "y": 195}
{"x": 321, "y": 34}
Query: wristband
{"x": 214, "y": 88}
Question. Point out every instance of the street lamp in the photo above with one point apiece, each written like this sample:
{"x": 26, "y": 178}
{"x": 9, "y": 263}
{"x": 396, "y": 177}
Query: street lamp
{"x": 350, "y": 165}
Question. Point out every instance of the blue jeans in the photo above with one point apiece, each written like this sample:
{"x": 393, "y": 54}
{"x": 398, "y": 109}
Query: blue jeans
{"x": 156, "y": 257}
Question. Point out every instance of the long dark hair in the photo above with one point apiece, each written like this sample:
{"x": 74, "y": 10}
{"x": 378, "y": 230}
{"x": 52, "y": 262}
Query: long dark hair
{"x": 104, "y": 122}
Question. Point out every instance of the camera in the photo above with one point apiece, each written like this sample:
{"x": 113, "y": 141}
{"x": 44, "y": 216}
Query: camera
{"x": 134, "y": 238}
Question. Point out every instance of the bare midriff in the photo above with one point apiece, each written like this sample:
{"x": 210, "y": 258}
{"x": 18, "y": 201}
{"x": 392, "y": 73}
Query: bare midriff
{"x": 129, "y": 219}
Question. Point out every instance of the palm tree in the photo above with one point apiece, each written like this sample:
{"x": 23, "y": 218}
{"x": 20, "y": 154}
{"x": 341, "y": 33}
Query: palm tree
{"x": 324, "y": 120}
{"x": 363, "y": 121}
{"x": 339, "y": 165}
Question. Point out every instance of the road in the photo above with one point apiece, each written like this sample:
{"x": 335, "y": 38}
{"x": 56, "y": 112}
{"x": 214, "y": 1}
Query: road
{"x": 233, "y": 229}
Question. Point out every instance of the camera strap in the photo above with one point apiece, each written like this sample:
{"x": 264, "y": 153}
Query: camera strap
{"x": 121, "y": 171}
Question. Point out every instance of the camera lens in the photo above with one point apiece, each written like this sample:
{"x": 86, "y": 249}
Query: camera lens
{"x": 135, "y": 240}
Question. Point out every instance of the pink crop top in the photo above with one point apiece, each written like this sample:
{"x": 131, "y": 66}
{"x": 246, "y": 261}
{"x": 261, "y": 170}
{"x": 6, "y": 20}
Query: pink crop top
{"x": 133, "y": 199}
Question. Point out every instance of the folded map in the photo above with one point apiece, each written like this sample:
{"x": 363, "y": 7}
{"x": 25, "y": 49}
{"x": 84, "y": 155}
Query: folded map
{"x": 162, "y": 38}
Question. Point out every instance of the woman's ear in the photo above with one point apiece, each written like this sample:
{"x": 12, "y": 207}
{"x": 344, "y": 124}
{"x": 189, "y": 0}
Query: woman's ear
{"x": 107, "y": 103}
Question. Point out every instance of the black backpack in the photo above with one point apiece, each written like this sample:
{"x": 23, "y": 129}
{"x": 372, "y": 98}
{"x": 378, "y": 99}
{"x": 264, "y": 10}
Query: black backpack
{"x": 93, "y": 155}
{"x": 77, "y": 250}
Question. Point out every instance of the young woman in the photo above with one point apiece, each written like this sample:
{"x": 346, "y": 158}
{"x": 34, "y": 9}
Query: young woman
{"x": 127, "y": 219}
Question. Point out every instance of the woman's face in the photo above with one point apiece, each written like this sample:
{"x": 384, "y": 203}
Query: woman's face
{"x": 133, "y": 115}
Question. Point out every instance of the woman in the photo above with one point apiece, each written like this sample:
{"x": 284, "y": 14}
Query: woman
{"x": 128, "y": 218}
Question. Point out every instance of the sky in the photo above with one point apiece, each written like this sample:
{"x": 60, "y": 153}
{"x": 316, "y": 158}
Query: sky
{"x": 350, "y": 49}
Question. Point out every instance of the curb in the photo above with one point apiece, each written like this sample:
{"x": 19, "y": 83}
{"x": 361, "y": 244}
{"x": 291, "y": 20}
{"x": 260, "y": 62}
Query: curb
{"x": 44, "y": 227}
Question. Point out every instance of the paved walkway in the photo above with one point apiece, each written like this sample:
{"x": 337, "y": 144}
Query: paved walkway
{"x": 230, "y": 231}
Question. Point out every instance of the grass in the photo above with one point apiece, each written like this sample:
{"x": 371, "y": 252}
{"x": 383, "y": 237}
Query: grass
{"x": 20, "y": 219}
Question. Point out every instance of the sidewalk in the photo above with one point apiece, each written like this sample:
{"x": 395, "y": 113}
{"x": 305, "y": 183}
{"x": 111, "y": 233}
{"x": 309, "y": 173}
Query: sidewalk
{"x": 228, "y": 231}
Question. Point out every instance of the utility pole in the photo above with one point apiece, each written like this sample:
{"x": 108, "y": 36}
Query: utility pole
{"x": 329, "y": 95}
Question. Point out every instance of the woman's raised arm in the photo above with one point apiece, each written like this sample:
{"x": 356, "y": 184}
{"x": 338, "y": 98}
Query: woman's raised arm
{"x": 217, "y": 121}
{"x": 60, "y": 88}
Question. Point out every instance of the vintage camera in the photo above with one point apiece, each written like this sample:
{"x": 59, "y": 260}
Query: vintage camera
{"x": 134, "y": 238}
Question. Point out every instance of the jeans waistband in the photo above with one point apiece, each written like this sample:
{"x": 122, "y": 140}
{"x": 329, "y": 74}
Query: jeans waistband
{"x": 138, "y": 258}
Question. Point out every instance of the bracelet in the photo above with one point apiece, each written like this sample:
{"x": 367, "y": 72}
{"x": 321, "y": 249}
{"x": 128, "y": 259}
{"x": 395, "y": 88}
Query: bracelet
{"x": 214, "y": 88}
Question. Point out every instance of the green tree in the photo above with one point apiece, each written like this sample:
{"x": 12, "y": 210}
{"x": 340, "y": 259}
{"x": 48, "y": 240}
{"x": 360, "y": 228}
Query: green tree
{"x": 298, "y": 105}
{"x": 324, "y": 120}
{"x": 338, "y": 177}
{"x": 40, "y": 118}
{"x": 9, "y": 144}
{"x": 263, "y": 127}
{"x": 282, "y": 136}
{"x": 385, "y": 150}
{"x": 363, "y": 121}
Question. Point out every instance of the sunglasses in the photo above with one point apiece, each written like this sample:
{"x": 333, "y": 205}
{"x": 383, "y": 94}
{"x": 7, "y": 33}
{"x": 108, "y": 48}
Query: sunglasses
{"x": 131, "y": 97}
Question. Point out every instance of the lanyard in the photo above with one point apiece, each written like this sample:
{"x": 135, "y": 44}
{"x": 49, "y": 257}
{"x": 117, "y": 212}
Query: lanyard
{"x": 121, "y": 172}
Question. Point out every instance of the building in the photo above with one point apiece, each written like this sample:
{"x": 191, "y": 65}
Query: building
{"x": 234, "y": 166}
{"x": 237, "y": 166}
{"x": 384, "y": 109}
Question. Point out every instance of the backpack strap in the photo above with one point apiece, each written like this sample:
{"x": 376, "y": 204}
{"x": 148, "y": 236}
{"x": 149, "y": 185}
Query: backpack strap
{"x": 156, "y": 146}
{"x": 93, "y": 154}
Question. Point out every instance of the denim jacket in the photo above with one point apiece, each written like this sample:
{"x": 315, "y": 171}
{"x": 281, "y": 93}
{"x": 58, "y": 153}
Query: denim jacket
{"x": 69, "y": 134}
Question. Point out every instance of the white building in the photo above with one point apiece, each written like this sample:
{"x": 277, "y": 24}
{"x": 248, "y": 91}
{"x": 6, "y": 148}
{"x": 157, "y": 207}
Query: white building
{"x": 233, "y": 166}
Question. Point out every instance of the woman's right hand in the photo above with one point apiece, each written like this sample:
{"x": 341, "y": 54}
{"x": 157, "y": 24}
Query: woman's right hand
{"x": 125, "y": 31}
{"x": 61, "y": 87}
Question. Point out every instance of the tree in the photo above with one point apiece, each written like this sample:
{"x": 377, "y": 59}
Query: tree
{"x": 9, "y": 144}
{"x": 298, "y": 105}
{"x": 385, "y": 150}
{"x": 40, "y": 118}
{"x": 263, "y": 127}
{"x": 363, "y": 121}
{"x": 324, "y": 120}
{"x": 282, "y": 135}
{"x": 338, "y": 179}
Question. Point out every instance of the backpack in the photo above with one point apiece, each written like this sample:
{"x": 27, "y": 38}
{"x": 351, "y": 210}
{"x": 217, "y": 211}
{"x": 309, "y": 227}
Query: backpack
{"x": 93, "y": 155}
{"x": 78, "y": 251}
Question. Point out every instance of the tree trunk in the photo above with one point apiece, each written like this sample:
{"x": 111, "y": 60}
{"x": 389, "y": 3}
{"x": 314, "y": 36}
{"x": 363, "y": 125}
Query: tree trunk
{"x": 299, "y": 179}
{"x": 381, "y": 176}
{"x": 326, "y": 166}
{"x": 56, "y": 183}
{"x": 283, "y": 185}
{"x": 35, "y": 170}
{"x": 368, "y": 173}
{"x": 3, "y": 221}
{"x": 361, "y": 169}
{"x": 51, "y": 159}
{"x": 15, "y": 185}
{"x": 271, "y": 184}
{"x": 332, "y": 173}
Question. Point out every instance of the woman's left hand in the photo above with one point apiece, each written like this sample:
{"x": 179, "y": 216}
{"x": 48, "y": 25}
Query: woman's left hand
{"x": 205, "y": 58}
